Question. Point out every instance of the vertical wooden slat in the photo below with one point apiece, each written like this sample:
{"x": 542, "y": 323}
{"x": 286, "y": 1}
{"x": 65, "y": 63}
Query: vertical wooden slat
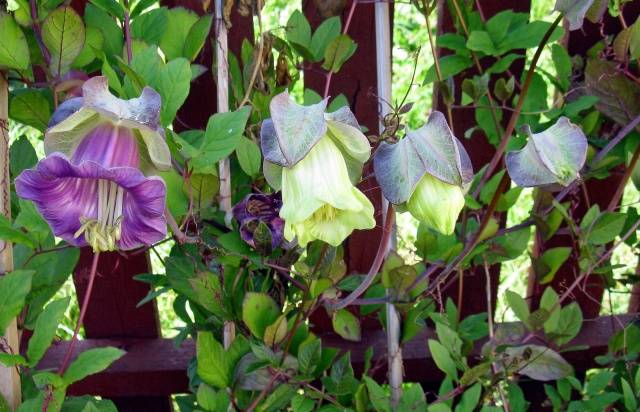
{"x": 479, "y": 149}
{"x": 9, "y": 378}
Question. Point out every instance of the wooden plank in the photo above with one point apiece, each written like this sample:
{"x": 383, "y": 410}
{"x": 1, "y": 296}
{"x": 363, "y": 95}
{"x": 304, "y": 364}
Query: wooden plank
{"x": 478, "y": 147}
{"x": 156, "y": 367}
{"x": 9, "y": 378}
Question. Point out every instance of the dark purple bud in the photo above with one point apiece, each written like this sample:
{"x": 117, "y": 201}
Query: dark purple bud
{"x": 259, "y": 208}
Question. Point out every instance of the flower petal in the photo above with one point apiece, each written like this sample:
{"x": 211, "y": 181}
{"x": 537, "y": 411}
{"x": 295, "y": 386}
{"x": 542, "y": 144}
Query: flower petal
{"x": 64, "y": 192}
{"x": 436, "y": 204}
{"x": 320, "y": 178}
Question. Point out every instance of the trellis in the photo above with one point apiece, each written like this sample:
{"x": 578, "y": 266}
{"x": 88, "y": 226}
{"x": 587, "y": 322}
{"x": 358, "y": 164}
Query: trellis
{"x": 153, "y": 368}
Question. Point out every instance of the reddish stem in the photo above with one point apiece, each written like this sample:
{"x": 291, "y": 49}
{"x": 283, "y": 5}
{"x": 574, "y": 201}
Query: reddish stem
{"x": 516, "y": 114}
{"x": 83, "y": 311}
{"x": 383, "y": 247}
{"x": 127, "y": 31}
{"x": 346, "y": 28}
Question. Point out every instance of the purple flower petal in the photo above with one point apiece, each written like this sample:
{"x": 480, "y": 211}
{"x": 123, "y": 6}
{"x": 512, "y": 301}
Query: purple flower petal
{"x": 110, "y": 146}
{"x": 64, "y": 193}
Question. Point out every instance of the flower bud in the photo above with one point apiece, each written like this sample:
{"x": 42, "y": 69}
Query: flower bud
{"x": 436, "y": 204}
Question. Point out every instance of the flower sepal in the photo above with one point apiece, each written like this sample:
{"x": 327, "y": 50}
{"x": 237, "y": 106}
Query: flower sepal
{"x": 78, "y": 117}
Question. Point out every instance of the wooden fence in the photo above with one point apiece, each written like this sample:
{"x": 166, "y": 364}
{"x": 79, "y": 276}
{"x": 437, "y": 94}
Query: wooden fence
{"x": 154, "y": 368}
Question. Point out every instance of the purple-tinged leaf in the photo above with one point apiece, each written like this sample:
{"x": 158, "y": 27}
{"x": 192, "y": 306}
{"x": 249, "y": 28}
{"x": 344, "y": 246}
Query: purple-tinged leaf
{"x": 554, "y": 156}
{"x": 141, "y": 115}
{"x": 431, "y": 149}
{"x": 292, "y": 130}
{"x": 619, "y": 97}
{"x": 574, "y": 11}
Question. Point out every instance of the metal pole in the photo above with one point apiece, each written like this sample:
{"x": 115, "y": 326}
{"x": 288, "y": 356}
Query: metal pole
{"x": 383, "y": 71}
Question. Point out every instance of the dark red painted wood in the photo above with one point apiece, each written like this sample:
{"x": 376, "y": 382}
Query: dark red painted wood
{"x": 479, "y": 149}
{"x": 155, "y": 367}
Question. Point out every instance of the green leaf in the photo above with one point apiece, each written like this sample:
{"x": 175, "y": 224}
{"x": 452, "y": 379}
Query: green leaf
{"x": 634, "y": 39}
{"x": 249, "y": 156}
{"x": 90, "y": 362}
{"x": 516, "y": 398}
{"x": 309, "y": 355}
{"x": 549, "y": 263}
{"x": 481, "y": 41}
{"x": 14, "y": 50}
{"x": 549, "y": 302}
{"x": 562, "y": 62}
{"x": 112, "y": 7}
{"x": 93, "y": 42}
{"x": 111, "y": 31}
{"x": 30, "y": 107}
{"x": 619, "y": 97}
{"x": 173, "y": 85}
{"x": 378, "y": 397}
{"x": 298, "y": 30}
{"x": 630, "y": 401}
{"x": 449, "y": 66}
{"x": 179, "y": 23}
{"x": 518, "y": 305}
{"x": 278, "y": 399}
{"x": 504, "y": 63}
{"x": 220, "y": 140}
{"x": 569, "y": 324}
{"x": 22, "y": 156}
{"x": 300, "y": 403}
{"x": 276, "y": 332}
{"x": 529, "y": 36}
{"x": 338, "y": 52}
{"x": 63, "y": 33}
{"x": 538, "y": 362}
{"x": 346, "y": 324}
{"x": 259, "y": 310}
{"x": 324, "y": 35}
{"x": 605, "y": 229}
{"x": 443, "y": 359}
{"x": 10, "y": 360}
{"x": 14, "y": 287}
{"x": 45, "y": 330}
{"x": 150, "y": 27}
{"x": 470, "y": 399}
{"x": 197, "y": 36}
{"x": 212, "y": 400}
{"x": 213, "y": 365}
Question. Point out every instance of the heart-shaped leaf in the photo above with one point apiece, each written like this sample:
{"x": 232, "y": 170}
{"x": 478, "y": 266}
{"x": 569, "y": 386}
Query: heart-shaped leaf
{"x": 292, "y": 130}
{"x": 430, "y": 149}
{"x": 554, "y": 156}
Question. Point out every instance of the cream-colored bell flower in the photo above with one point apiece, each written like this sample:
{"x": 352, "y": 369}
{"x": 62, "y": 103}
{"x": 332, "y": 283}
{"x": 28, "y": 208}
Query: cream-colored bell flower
{"x": 436, "y": 204}
{"x": 319, "y": 200}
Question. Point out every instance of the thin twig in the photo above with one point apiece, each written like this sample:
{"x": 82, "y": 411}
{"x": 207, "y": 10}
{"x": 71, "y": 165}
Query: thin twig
{"x": 375, "y": 266}
{"x": 83, "y": 311}
{"x": 516, "y": 114}
{"x": 344, "y": 31}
